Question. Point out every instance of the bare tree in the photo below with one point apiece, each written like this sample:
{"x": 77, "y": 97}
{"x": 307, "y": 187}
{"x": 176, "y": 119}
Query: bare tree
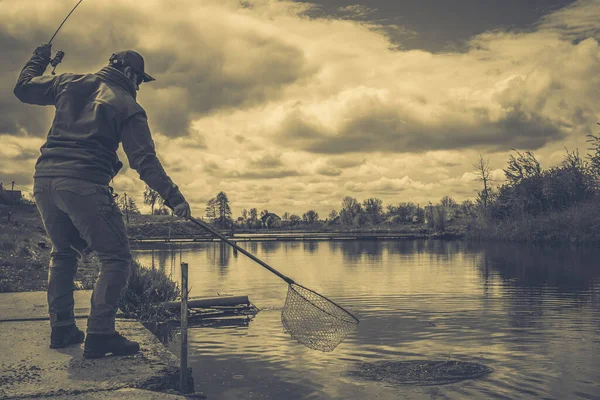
{"x": 151, "y": 198}
{"x": 482, "y": 168}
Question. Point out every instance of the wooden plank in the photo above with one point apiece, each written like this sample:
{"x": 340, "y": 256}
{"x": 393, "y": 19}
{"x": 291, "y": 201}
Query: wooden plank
{"x": 210, "y": 302}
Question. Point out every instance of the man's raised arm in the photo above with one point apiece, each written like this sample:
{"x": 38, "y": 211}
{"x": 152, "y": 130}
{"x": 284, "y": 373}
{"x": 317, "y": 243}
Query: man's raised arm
{"x": 139, "y": 147}
{"x": 32, "y": 86}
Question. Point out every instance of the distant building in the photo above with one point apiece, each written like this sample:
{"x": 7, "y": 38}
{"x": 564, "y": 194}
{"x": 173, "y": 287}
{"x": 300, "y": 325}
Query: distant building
{"x": 10, "y": 197}
{"x": 270, "y": 220}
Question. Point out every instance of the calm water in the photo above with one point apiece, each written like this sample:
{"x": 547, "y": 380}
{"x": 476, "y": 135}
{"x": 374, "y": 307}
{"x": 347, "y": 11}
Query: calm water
{"x": 530, "y": 313}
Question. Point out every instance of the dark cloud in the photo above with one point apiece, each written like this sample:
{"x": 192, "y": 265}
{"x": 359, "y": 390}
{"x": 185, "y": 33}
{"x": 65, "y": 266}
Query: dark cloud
{"x": 328, "y": 171}
{"x": 440, "y": 26}
{"x": 211, "y": 167}
{"x": 356, "y": 11}
{"x": 264, "y": 174}
{"x": 266, "y": 161}
{"x": 346, "y": 161}
{"x": 196, "y": 75}
{"x": 16, "y": 117}
{"x": 26, "y": 155}
{"x": 384, "y": 130}
{"x": 576, "y": 22}
{"x": 21, "y": 178}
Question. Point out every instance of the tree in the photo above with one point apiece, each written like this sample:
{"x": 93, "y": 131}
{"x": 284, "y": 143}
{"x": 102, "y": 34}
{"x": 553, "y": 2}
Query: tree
{"x": 162, "y": 210}
{"x": 263, "y": 213}
{"x": 294, "y": 219}
{"x": 333, "y": 214}
{"x": 373, "y": 209}
{"x": 130, "y": 205}
{"x": 448, "y": 202}
{"x": 403, "y": 212}
{"x": 521, "y": 167}
{"x": 152, "y": 198}
{"x": 223, "y": 210}
{"x": 211, "y": 209}
{"x": 350, "y": 210}
{"x": 594, "y": 158}
{"x": 482, "y": 168}
{"x": 467, "y": 207}
{"x": 285, "y": 216}
{"x": 310, "y": 216}
{"x": 253, "y": 215}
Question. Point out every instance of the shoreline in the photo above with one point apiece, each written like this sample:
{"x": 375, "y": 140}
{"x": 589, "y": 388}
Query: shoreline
{"x": 307, "y": 236}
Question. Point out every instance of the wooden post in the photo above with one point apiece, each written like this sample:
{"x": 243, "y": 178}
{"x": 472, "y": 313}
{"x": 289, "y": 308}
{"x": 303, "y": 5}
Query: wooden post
{"x": 12, "y": 199}
{"x": 126, "y": 208}
{"x": 184, "y": 325}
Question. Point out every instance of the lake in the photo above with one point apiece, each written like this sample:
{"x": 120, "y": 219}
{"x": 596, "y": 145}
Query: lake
{"x": 530, "y": 313}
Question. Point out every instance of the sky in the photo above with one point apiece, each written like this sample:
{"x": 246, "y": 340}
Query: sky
{"x": 290, "y": 106}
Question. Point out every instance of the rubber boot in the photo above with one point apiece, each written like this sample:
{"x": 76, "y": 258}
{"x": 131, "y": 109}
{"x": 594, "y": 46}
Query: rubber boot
{"x": 97, "y": 345}
{"x": 63, "y": 336}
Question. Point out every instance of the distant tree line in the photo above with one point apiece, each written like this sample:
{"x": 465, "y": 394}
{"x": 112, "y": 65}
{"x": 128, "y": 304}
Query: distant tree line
{"x": 528, "y": 194}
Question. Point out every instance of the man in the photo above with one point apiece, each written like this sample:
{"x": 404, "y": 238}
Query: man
{"x": 94, "y": 113}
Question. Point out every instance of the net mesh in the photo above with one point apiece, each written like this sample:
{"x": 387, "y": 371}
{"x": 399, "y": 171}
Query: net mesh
{"x": 314, "y": 320}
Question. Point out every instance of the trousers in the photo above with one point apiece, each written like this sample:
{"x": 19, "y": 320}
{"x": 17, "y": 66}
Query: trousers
{"x": 78, "y": 213}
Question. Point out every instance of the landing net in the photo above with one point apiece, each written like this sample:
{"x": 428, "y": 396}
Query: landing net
{"x": 314, "y": 320}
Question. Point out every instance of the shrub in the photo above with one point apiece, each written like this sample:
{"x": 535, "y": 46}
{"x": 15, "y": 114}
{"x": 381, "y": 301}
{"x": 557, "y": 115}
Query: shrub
{"x": 145, "y": 292}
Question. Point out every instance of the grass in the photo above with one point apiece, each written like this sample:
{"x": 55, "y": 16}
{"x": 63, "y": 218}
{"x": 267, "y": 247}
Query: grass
{"x": 25, "y": 254}
{"x": 579, "y": 224}
{"x": 145, "y": 292}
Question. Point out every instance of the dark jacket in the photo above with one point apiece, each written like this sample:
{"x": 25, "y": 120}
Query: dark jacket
{"x": 94, "y": 113}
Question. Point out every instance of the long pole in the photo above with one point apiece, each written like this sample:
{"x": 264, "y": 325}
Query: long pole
{"x": 12, "y": 200}
{"x": 126, "y": 208}
{"x": 241, "y": 250}
{"x": 183, "y": 375}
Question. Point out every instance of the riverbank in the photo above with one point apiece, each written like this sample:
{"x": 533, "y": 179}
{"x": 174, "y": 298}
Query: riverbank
{"x": 25, "y": 254}
{"x": 577, "y": 225}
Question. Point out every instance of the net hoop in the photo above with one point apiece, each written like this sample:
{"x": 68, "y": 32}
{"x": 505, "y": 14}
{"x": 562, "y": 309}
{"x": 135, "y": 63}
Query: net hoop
{"x": 314, "y": 320}
{"x": 347, "y": 317}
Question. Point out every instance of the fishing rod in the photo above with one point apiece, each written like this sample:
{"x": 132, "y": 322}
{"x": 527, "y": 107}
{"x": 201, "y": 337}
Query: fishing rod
{"x": 60, "y": 54}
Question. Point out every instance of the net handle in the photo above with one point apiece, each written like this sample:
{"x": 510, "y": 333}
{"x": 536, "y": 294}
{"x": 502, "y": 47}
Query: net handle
{"x": 238, "y": 248}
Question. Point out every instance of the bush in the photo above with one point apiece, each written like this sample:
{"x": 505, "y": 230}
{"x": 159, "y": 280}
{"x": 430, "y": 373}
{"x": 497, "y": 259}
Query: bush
{"x": 145, "y": 292}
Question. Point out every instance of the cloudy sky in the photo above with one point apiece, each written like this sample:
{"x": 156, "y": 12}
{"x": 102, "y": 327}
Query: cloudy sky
{"x": 290, "y": 106}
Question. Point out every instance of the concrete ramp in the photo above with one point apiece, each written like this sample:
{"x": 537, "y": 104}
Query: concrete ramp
{"x": 29, "y": 368}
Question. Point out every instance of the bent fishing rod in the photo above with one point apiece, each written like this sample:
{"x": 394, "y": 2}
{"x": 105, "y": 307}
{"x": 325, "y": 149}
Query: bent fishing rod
{"x": 60, "y": 54}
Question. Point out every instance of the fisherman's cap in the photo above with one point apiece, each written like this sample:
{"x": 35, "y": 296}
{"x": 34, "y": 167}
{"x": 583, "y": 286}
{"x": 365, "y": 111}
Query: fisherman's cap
{"x": 133, "y": 59}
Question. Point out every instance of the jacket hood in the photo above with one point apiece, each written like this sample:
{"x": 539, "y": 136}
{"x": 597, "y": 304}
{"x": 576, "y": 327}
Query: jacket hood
{"x": 116, "y": 77}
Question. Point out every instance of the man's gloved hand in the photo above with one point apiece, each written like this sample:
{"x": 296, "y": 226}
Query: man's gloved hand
{"x": 44, "y": 51}
{"x": 183, "y": 210}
